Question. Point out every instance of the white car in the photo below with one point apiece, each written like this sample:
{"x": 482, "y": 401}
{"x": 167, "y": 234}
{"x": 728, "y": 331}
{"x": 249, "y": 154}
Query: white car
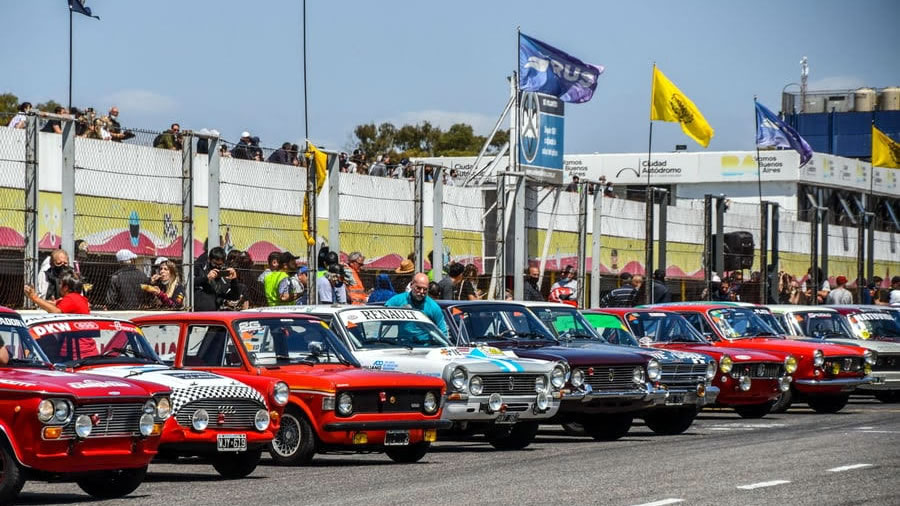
{"x": 489, "y": 390}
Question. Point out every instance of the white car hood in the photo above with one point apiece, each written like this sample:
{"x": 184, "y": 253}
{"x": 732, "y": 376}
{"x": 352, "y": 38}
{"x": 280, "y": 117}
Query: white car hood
{"x": 434, "y": 361}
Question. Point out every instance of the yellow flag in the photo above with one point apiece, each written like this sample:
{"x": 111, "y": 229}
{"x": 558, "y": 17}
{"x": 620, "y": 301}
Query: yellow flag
{"x": 885, "y": 151}
{"x": 318, "y": 162}
{"x": 667, "y": 103}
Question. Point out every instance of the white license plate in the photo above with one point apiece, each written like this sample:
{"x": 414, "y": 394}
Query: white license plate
{"x": 507, "y": 418}
{"x": 675, "y": 400}
{"x": 231, "y": 442}
{"x": 396, "y": 438}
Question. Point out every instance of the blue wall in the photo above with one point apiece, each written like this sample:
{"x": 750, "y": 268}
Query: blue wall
{"x": 844, "y": 133}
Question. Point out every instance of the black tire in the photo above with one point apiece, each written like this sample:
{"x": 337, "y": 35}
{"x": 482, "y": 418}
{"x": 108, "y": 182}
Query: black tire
{"x": 574, "y": 429}
{"x": 888, "y": 396}
{"x": 408, "y": 454}
{"x": 671, "y": 422}
{"x": 113, "y": 484}
{"x": 295, "y": 444}
{"x": 828, "y": 403}
{"x": 237, "y": 465}
{"x": 516, "y": 437}
{"x": 754, "y": 410}
{"x": 12, "y": 476}
{"x": 608, "y": 427}
{"x": 783, "y": 402}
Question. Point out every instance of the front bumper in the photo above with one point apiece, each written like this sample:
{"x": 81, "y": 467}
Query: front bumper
{"x": 882, "y": 380}
{"x": 475, "y": 408}
{"x": 589, "y": 400}
{"x": 828, "y": 386}
{"x": 686, "y": 396}
{"x": 187, "y": 441}
{"x": 388, "y": 425}
{"x": 89, "y": 455}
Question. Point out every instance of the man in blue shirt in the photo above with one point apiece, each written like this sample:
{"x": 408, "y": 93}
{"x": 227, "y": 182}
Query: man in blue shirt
{"x": 417, "y": 298}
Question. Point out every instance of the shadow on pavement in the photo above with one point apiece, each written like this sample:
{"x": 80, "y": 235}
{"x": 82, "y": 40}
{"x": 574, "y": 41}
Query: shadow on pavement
{"x": 166, "y": 477}
{"x": 45, "y": 498}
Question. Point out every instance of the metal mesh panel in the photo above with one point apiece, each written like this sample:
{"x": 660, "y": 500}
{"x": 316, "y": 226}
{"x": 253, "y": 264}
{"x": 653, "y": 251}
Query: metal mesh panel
{"x": 12, "y": 215}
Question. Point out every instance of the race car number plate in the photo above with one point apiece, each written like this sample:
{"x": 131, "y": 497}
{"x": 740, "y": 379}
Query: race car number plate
{"x": 675, "y": 400}
{"x": 231, "y": 442}
{"x": 507, "y": 418}
{"x": 396, "y": 438}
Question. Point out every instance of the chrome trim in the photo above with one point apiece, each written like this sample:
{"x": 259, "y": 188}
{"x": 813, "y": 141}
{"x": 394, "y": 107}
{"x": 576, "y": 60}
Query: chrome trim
{"x": 844, "y": 382}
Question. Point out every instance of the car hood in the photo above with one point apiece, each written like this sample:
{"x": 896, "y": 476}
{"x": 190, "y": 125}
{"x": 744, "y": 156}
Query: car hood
{"x": 798, "y": 348}
{"x": 889, "y": 347}
{"x": 602, "y": 354}
{"x": 739, "y": 354}
{"x": 70, "y": 384}
{"x": 434, "y": 361}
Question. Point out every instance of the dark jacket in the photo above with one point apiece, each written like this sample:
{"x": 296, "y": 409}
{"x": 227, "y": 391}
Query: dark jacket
{"x": 531, "y": 291}
{"x": 280, "y": 156}
{"x": 625, "y": 296}
{"x": 125, "y": 291}
{"x": 241, "y": 151}
{"x": 661, "y": 293}
{"x": 210, "y": 295}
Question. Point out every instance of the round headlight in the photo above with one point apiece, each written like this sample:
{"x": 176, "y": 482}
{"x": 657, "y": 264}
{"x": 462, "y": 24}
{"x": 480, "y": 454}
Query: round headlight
{"x": 790, "y": 364}
{"x": 475, "y": 385}
{"x": 163, "y": 408}
{"x": 431, "y": 403}
{"x": 711, "y": 370}
{"x": 870, "y": 357}
{"x": 818, "y": 358}
{"x": 654, "y": 371}
{"x": 150, "y": 407}
{"x": 558, "y": 377}
{"x": 637, "y": 375}
{"x": 261, "y": 420}
{"x": 725, "y": 364}
{"x": 280, "y": 393}
{"x": 577, "y": 378}
{"x": 45, "y": 410}
{"x": 745, "y": 383}
{"x": 784, "y": 384}
{"x": 345, "y": 404}
{"x": 458, "y": 378}
{"x": 61, "y": 411}
{"x": 495, "y": 402}
{"x": 83, "y": 426}
{"x": 540, "y": 383}
{"x": 146, "y": 424}
{"x": 200, "y": 419}
{"x": 543, "y": 401}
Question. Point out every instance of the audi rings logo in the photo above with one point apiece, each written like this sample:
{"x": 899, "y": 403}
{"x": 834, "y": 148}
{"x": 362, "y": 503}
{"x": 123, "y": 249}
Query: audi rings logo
{"x": 226, "y": 410}
{"x": 530, "y": 126}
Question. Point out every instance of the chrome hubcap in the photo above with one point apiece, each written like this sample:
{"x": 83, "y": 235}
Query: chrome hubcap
{"x": 287, "y": 441}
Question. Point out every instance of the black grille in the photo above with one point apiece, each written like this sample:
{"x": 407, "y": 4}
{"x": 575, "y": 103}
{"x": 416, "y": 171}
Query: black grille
{"x": 223, "y": 413}
{"x": 109, "y": 419}
{"x": 619, "y": 377}
{"x": 683, "y": 374}
{"x": 395, "y": 400}
{"x": 848, "y": 364}
{"x": 758, "y": 370}
{"x": 887, "y": 363}
{"x": 509, "y": 384}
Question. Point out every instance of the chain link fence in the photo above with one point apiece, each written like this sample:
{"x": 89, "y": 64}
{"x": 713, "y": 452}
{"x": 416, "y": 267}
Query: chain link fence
{"x": 12, "y": 215}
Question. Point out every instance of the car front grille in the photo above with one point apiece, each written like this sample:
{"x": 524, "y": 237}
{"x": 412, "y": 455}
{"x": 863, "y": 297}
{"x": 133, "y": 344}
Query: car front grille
{"x": 758, "y": 370}
{"x": 394, "y": 400}
{"x": 887, "y": 363}
{"x": 223, "y": 413}
{"x": 620, "y": 377}
{"x": 509, "y": 384}
{"x": 109, "y": 419}
{"x": 683, "y": 374}
{"x": 847, "y": 364}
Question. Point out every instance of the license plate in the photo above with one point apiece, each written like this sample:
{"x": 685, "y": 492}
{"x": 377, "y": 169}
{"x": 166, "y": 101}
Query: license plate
{"x": 675, "y": 400}
{"x": 507, "y": 418}
{"x": 231, "y": 442}
{"x": 396, "y": 438}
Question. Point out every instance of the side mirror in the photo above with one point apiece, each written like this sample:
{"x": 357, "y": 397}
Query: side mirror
{"x": 315, "y": 348}
{"x": 59, "y": 367}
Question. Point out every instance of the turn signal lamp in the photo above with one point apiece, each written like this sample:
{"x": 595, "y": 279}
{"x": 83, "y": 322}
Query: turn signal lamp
{"x": 52, "y": 432}
{"x": 360, "y": 438}
{"x": 430, "y": 435}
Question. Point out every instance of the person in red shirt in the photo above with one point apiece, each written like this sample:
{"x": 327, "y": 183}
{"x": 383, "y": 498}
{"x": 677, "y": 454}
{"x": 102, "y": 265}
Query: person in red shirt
{"x": 71, "y": 300}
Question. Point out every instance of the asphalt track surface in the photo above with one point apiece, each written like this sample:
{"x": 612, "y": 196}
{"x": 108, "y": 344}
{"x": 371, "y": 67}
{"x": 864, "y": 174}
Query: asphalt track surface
{"x": 799, "y": 457}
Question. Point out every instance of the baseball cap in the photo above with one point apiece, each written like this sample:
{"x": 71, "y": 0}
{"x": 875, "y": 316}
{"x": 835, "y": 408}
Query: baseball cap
{"x": 124, "y": 255}
{"x": 303, "y": 269}
{"x": 841, "y": 280}
{"x": 160, "y": 260}
{"x": 245, "y": 134}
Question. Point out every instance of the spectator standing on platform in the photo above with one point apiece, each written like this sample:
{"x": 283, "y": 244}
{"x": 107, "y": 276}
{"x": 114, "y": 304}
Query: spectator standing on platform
{"x": 48, "y": 277}
{"x": 566, "y": 289}
{"x": 20, "y": 120}
{"x": 356, "y": 291}
{"x": 383, "y": 289}
{"x": 71, "y": 301}
{"x": 170, "y": 139}
{"x": 125, "y": 292}
{"x": 241, "y": 150}
{"x": 281, "y": 155}
{"x": 532, "y": 291}
{"x": 54, "y": 126}
{"x": 330, "y": 287}
{"x": 256, "y": 152}
{"x": 378, "y": 169}
{"x": 166, "y": 286}
{"x": 839, "y": 295}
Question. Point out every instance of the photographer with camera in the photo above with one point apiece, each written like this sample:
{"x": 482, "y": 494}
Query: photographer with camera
{"x": 213, "y": 280}
{"x": 331, "y": 287}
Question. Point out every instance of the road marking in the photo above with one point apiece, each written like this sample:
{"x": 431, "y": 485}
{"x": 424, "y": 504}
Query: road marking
{"x": 848, "y": 468}
{"x": 763, "y": 484}
{"x": 866, "y": 428}
{"x": 880, "y": 431}
{"x": 662, "y": 502}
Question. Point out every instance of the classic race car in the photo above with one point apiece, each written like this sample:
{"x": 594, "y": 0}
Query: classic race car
{"x": 872, "y": 323}
{"x": 831, "y": 323}
{"x": 54, "y": 425}
{"x": 750, "y": 380}
{"x": 685, "y": 376}
{"x": 226, "y": 420}
{"x": 826, "y": 373}
{"x": 605, "y": 388}
{"x": 334, "y": 404}
{"x": 489, "y": 391}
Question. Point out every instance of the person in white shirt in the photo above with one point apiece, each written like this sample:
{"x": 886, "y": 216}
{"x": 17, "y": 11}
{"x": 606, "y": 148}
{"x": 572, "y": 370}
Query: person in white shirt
{"x": 20, "y": 119}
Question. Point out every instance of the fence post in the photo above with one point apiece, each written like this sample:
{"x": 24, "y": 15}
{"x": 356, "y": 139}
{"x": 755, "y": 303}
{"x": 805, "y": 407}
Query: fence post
{"x": 499, "y": 269}
{"x": 32, "y": 190}
{"x": 312, "y": 250}
{"x": 775, "y": 230}
{"x": 861, "y": 257}
{"x": 763, "y": 251}
{"x": 662, "y": 233}
{"x": 648, "y": 244}
{"x": 213, "y": 199}
{"x": 707, "y": 243}
{"x": 596, "y": 244}
{"x": 68, "y": 187}
{"x": 814, "y": 254}
{"x": 419, "y": 219}
{"x": 334, "y": 208}
{"x": 519, "y": 257}
{"x": 437, "y": 225}
{"x": 187, "y": 219}
{"x": 720, "y": 236}
{"x": 824, "y": 235}
{"x": 870, "y": 237}
{"x": 582, "y": 246}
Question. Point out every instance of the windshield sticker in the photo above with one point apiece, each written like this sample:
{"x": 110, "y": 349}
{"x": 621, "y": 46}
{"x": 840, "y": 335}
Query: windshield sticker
{"x": 250, "y": 326}
{"x": 632, "y": 317}
{"x": 196, "y": 375}
{"x": 86, "y": 325}
{"x": 762, "y": 310}
{"x": 383, "y": 314}
{"x": 645, "y": 342}
{"x": 12, "y": 322}
{"x": 59, "y": 327}
{"x": 16, "y": 383}
{"x": 98, "y": 384}
{"x": 873, "y": 316}
{"x": 817, "y": 315}
{"x": 657, "y": 315}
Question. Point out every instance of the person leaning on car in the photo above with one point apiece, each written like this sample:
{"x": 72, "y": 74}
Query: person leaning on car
{"x": 212, "y": 280}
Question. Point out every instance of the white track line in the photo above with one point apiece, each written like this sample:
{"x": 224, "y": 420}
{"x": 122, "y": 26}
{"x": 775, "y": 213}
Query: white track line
{"x": 763, "y": 484}
{"x": 662, "y": 502}
{"x": 848, "y": 468}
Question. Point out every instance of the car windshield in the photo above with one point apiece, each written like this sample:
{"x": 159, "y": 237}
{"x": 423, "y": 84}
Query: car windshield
{"x": 21, "y": 348}
{"x": 567, "y": 323}
{"x": 78, "y": 342}
{"x": 498, "y": 322}
{"x": 771, "y": 320}
{"x": 662, "y": 327}
{"x": 821, "y": 324}
{"x": 740, "y": 323}
{"x": 279, "y": 341}
{"x": 610, "y": 329}
{"x": 871, "y": 324}
{"x": 372, "y": 334}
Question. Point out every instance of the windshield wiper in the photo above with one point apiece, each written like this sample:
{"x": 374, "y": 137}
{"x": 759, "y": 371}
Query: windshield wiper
{"x": 108, "y": 354}
{"x": 25, "y": 361}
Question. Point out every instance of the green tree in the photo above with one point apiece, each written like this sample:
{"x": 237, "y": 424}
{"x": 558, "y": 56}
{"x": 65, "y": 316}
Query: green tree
{"x": 9, "y": 104}
{"x": 48, "y": 106}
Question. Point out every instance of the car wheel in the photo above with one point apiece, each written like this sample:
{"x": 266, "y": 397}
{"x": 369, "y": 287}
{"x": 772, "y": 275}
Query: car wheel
{"x": 408, "y": 454}
{"x": 295, "y": 443}
{"x": 783, "y": 402}
{"x": 12, "y": 476}
{"x": 828, "y": 403}
{"x": 671, "y": 421}
{"x": 888, "y": 396}
{"x": 517, "y": 437}
{"x": 574, "y": 429}
{"x": 237, "y": 465}
{"x": 608, "y": 427}
{"x": 113, "y": 484}
{"x": 755, "y": 410}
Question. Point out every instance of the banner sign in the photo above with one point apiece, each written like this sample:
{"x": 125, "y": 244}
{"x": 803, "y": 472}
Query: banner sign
{"x": 541, "y": 131}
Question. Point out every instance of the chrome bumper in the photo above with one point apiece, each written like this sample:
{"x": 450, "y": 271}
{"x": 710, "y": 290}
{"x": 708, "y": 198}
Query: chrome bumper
{"x": 475, "y": 408}
{"x": 846, "y": 384}
{"x": 883, "y": 380}
{"x": 691, "y": 396}
{"x": 649, "y": 394}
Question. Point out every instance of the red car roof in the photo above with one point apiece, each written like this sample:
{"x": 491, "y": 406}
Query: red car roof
{"x": 226, "y": 316}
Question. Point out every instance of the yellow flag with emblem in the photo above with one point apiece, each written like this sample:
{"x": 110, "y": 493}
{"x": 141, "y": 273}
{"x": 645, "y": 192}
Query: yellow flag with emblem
{"x": 319, "y": 163}
{"x": 667, "y": 103}
{"x": 885, "y": 151}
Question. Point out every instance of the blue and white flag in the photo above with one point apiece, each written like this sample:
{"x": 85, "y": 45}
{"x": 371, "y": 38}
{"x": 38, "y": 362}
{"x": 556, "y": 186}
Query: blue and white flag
{"x": 772, "y": 132}
{"x": 79, "y": 7}
{"x": 545, "y": 69}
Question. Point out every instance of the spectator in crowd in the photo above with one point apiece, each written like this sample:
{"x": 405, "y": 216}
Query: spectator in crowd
{"x": 356, "y": 291}
{"x": 446, "y": 282}
{"x": 661, "y": 293}
{"x": 212, "y": 280}
{"x": 624, "y": 296}
{"x": 296, "y": 159}
{"x": 330, "y": 288}
{"x": 49, "y": 274}
{"x": 894, "y": 297}
{"x": 114, "y": 127}
{"x": 70, "y": 301}
{"x": 54, "y": 126}
{"x": 223, "y": 151}
{"x": 292, "y": 290}
{"x": 879, "y": 298}
{"x": 839, "y": 295}
{"x": 170, "y": 139}
{"x": 272, "y": 265}
{"x": 20, "y": 120}
{"x": 241, "y": 150}
{"x": 462, "y": 289}
{"x": 281, "y": 155}
{"x": 785, "y": 287}
{"x": 166, "y": 286}
{"x": 566, "y": 288}
{"x": 796, "y": 294}
{"x": 640, "y": 289}
{"x": 125, "y": 290}
{"x": 532, "y": 290}
{"x": 821, "y": 291}
{"x": 383, "y": 289}
{"x": 470, "y": 276}
{"x": 723, "y": 292}
{"x": 203, "y": 140}
{"x": 236, "y": 297}
{"x": 256, "y": 152}
{"x": 287, "y": 266}
{"x": 404, "y": 275}
{"x": 736, "y": 284}
{"x": 573, "y": 186}
{"x": 417, "y": 298}
{"x": 378, "y": 169}
{"x": 434, "y": 290}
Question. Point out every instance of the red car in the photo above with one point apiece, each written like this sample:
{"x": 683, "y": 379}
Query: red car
{"x": 826, "y": 373}
{"x": 226, "y": 419}
{"x": 334, "y": 404}
{"x": 750, "y": 381}
{"x": 96, "y": 431}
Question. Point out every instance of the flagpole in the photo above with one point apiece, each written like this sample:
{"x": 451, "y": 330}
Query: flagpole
{"x": 70, "y": 58}
{"x": 764, "y": 255}
{"x": 305, "y": 97}
{"x": 758, "y": 167}
{"x": 648, "y": 211}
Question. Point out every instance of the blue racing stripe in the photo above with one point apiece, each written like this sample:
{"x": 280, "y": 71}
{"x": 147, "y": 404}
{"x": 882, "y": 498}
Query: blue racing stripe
{"x": 509, "y": 365}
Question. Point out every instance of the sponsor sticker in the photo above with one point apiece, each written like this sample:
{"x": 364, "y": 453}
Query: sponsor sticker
{"x": 98, "y": 384}
{"x": 249, "y": 326}
{"x": 743, "y": 357}
{"x": 382, "y": 315}
{"x": 16, "y": 383}
{"x": 12, "y": 322}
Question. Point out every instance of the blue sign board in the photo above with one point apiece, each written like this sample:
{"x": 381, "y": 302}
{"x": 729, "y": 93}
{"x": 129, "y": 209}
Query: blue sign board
{"x": 541, "y": 131}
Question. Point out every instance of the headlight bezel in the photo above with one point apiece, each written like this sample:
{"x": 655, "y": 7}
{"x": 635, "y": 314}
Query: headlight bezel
{"x": 83, "y": 426}
{"x": 654, "y": 370}
{"x": 344, "y": 404}
{"x": 46, "y": 410}
{"x": 542, "y": 402}
{"x": 261, "y": 416}
{"x": 281, "y": 393}
{"x": 745, "y": 386}
{"x": 476, "y": 385}
{"x": 790, "y": 364}
{"x": 577, "y": 378}
{"x": 458, "y": 378}
{"x": 726, "y": 364}
{"x": 818, "y": 358}
{"x": 430, "y": 396}
{"x": 163, "y": 408}
{"x": 637, "y": 375}
{"x": 54, "y": 411}
{"x": 200, "y": 420}
{"x": 558, "y": 377}
{"x": 146, "y": 424}
{"x": 711, "y": 369}
{"x": 541, "y": 383}
{"x": 149, "y": 407}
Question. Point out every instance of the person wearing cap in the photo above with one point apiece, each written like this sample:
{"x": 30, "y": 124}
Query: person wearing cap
{"x": 241, "y": 150}
{"x": 125, "y": 292}
{"x": 356, "y": 291}
{"x": 404, "y": 275}
{"x": 292, "y": 290}
{"x": 287, "y": 265}
{"x": 839, "y": 295}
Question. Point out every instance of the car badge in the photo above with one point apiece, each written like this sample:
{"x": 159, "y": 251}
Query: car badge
{"x": 512, "y": 383}
{"x": 393, "y": 400}
{"x": 761, "y": 370}
{"x": 382, "y": 396}
{"x": 848, "y": 362}
{"x": 114, "y": 393}
{"x": 221, "y": 419}
{"x": 590, "y": 371}
{"x": 612, "y": 375}
{"x": 95, "y": 419}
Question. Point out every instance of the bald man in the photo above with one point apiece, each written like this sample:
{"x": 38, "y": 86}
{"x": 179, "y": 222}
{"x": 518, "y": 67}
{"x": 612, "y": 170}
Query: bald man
{"x": 417, "y": 298}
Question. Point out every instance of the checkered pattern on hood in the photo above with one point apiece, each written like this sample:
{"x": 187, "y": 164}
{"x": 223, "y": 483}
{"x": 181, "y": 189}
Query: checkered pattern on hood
{"x": 182, "y": 396}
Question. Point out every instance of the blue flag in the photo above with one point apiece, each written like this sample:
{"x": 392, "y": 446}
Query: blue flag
{"x": 79, "y": 7}
{"x": 772, "y": 132}
{"x": 545, "y": 69}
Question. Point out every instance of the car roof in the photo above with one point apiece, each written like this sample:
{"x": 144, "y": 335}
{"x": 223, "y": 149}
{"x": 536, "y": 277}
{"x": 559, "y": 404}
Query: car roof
{"x": 227, "y": 316}
{"x": 676, "y": 306}
{"x": 623, "y": 310}
{"x": 538, "y": 303}
{"x": 790, "y": 308}
{"x": 464, "y": 303}
{"x": 50, "y": 317}
{"x": 303, "y": 309}
{"x": 6, "y": 310}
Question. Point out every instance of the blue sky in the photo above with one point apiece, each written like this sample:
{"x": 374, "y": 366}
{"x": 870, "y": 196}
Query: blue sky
{"x": 234, "y": 65}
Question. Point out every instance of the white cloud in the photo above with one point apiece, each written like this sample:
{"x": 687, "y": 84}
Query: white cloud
{"x": 481, "y": 123}
{"x": 836, "y": 83}
{"x": 140, "y": 101}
